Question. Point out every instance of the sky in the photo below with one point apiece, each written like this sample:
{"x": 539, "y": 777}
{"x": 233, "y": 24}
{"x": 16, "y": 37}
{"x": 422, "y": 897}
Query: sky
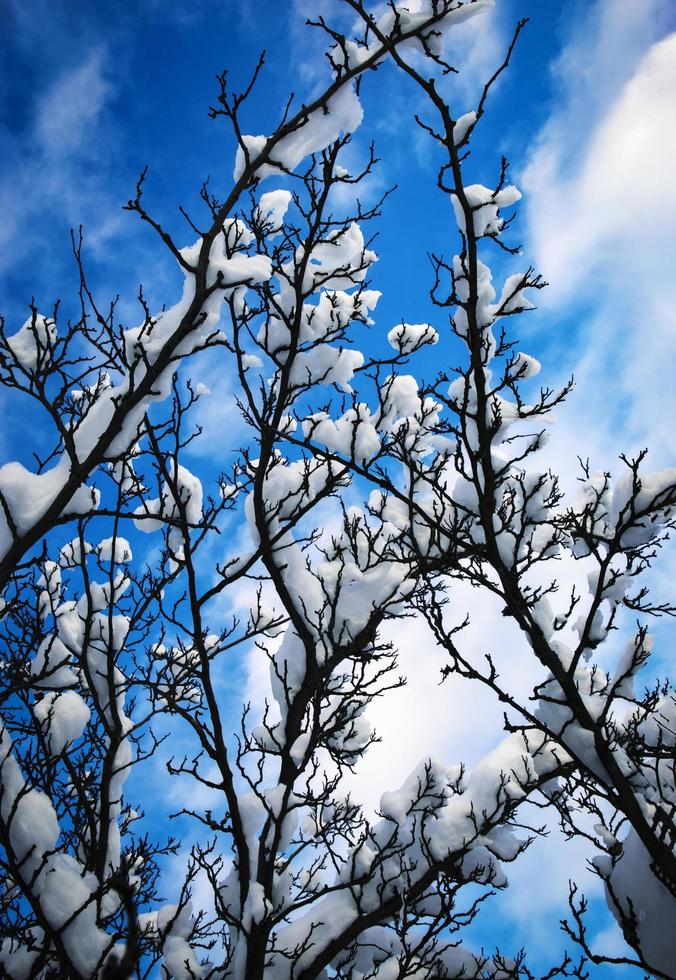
{"x": 91, "y": 93}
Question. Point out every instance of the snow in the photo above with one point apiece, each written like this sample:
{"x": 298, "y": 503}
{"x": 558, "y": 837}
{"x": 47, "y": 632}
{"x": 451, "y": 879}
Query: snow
{"x": 58, "y": 882}
{"x": 512, "y": 298}
{"x": 485, "y": 205}
{"x": 462, "y": 127}
{"x": 152, "y": 514}
{"x": 64, "y": 716}
{"x": 400, "y": 399}
{"x": 287, "y": 670}
{"x": 435, "y": 815}
{"x": 90, "y": 392}
{"x": 525, "y": 367}
{"x": 174, "y": 926}
{"x": 18, "y": 960}
{"x": 70, "y": 555}
{"x": 50, "y": 581}
{"x": 64, "y": 713}
{"x": 314, "y": 132}
{"x": 326, "y": 365}
{"x": 50, "y": 664}
{"x": 338, "y": 262}
{"x": 323, "y": 321}
{"x": 29, "y": 495}
{"x": 604, "y": 505}
{"x": 409, "y": 337}
{"x": 229, "y": 263}
{"x": 271, "y": 210}
{"x": 33, "y": 342}
{"x": 632, "y": 881}
{"x": 143, "y": 345}
{"x": 353, "y": 435}
{"x": 501, "y": 777}
{"x": 116, "y": 550}
{"x": 413, "y": 16}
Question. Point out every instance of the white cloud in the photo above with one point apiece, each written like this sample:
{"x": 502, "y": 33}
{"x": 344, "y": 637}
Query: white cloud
{"x": 57, "y": 166}
{"x": 454, "y": 721}
{"x": 70, "y": 110}
{"x": 621, "y": 200}
{"x": 601, "y": 209}
{"x": 606, "y": 40}
{"x": 421, "y": 720}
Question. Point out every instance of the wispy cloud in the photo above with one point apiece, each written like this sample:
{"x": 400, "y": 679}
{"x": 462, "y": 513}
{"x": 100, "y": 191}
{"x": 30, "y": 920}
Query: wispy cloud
{"x": 620, "y": 198}
{"x": 70, "y": 110}
{"x": 601, "y": 206}
{"x": 55, "y": 166}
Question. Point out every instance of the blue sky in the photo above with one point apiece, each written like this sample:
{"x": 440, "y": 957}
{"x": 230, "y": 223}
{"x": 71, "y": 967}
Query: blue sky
{"x": 93, "y": 92}
{"x": 90, "y": 93}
